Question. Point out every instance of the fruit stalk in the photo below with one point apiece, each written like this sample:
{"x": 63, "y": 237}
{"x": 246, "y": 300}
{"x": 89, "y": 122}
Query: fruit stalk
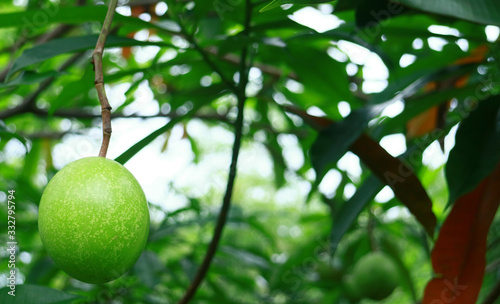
{"x": 99, "y": 78}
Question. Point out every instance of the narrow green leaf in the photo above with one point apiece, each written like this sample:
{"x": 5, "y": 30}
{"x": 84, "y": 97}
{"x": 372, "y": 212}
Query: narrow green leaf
{"x": 277, "y": 3}
{"x": 31, "y": 161}
{"x": 30, "y": 20}
{"x": 29, "y": 77}
{"x": 476, "y": 150}
{"x": 30, "y": 294}
{"x": 352, "y": 208}
{"x": 127, "y": 155}
{"x": 61, "y": 46}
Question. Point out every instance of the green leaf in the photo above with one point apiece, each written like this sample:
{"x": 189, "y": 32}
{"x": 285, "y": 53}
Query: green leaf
{"x": 42, "y": 271}
{"x": 476, "y": 150}
{"x": 127, "y": 155}
{"x": 277, "y": 3}
{"x": 421, "y": 104}
{"x": 389, "y": 246}
{"x": 30, "y": 20}
{"x": 61, "y": 46}
{"x": 317, "y": 71}
{"x": 245, "y": 257}
{"x": 30, "y": 294}
{"x": 6, "y": 135}
{"x": 370, "y": 13}
{"x": 148, "y": 268}
{"x": 333, "y": 142}
{"x": 352, "y": 208}
{"x": 484, "y": 11}
{"x": 73, "y": 89}
{"x": 31, "y": 161}
{"x": 29, "y": 77}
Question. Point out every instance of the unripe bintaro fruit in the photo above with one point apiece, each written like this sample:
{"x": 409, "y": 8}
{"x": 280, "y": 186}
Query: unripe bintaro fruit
{"x": 375, "y": 276}
{"x": 94, "y": 219}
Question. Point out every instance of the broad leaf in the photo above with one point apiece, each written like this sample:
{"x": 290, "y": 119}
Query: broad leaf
{"x": 476, "y": 150}
{"x": 29, "y": 294}
{"x": 484, "y": 11}
{"x": 458, "y": 258}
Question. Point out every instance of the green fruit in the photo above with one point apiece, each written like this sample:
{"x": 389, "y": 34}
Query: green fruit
{"x": 375, "y": 276}
{"x": 350, "y": 289}
{"x": 94, "y": 219}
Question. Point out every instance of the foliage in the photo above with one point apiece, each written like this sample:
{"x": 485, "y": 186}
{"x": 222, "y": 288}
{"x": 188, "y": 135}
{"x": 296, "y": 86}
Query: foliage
{"x": 351, "y": 111}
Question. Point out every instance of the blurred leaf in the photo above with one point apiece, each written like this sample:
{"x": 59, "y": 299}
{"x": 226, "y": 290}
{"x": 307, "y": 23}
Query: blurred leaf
{"x": 31, "y": 161}
{"x": 29, "y": 77}
{"x": 345, "y": 32}
{"x": 334, "y": 141}
{"x": 390, "y": 247}
{"x": 458, "y": 257}
{"x": 419, "y": 105}
{"x": 392, "y": 171}
{"x": 402, "y": 180}
{"x": 485, "y": 11}
{"x": 189, "y": 267}
{"x": 476, "y": 150}
{"x": 422, "y": 123}
{"x": 42, "y": 271}
{"x": 350, "y": 210}
{"x": 60, "y": 46}
{"x": 245, "y": 257}
{"x": 73, "y": 89}
{"x": 319, "y": 72}
{"x": 370, "y": 13}
{"x": 149, "y": 268}
{"x": 6, "y": 135}
{"x": 30, "y": 294}
{"x": 26, "y": 20}
{"x": 277, "y": 3}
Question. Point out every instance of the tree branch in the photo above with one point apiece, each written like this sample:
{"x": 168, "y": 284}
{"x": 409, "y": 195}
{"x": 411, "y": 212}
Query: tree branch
{"x": 99, "y": 78}
{"x": 226, "y": 204}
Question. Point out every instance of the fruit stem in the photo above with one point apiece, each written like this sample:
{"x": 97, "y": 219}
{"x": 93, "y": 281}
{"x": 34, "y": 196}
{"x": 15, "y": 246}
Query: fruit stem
{"x": 99, "y": 78}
